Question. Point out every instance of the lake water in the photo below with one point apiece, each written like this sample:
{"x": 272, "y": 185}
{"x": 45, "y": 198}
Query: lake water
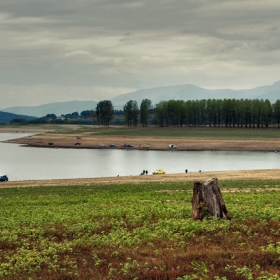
{"x": 25, "y": 163}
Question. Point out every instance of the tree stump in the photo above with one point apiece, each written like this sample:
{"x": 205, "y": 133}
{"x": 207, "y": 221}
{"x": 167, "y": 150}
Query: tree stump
{"x": 207, "y": 200}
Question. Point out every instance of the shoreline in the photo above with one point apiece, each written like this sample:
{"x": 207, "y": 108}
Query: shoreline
{"x": 42, "y": 136}
{"x": 42, "y": 140}
{"x": 150, "y": 149}
{"x": 259, "y": 174}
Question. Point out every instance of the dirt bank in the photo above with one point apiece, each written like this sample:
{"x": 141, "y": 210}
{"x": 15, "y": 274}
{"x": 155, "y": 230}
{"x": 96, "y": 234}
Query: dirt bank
{"x": 183, "y": 143}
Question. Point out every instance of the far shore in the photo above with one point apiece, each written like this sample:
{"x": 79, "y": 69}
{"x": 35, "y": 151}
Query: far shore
{"x": 55, "y": 140}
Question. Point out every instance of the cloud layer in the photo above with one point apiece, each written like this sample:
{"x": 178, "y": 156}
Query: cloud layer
{"x": 61, "y": 50}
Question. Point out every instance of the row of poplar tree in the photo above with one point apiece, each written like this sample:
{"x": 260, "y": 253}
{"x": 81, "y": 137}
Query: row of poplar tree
{"x": 212, "y": 112}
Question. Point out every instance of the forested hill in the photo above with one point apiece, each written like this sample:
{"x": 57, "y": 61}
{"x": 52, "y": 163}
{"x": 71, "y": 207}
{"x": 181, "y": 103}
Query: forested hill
{"x": 7, "y": 117}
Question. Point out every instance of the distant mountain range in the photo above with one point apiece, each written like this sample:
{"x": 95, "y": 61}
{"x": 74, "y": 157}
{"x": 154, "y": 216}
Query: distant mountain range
{"x": 7, "y": 117}
{"x": 192, "y": 92}
{"x": 178, "y": 92}
{"x": 58, "y": 108}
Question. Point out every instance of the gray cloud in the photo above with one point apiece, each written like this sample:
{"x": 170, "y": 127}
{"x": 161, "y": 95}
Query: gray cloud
{"x": 122, "y": 45}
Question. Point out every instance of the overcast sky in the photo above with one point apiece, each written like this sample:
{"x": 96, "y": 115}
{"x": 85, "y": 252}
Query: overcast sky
{"x": 63, "y": 50}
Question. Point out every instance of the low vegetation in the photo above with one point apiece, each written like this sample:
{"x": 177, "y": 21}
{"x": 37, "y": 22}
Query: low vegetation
{"x": 172, "y": 132}
{"x": 138, "y": 231}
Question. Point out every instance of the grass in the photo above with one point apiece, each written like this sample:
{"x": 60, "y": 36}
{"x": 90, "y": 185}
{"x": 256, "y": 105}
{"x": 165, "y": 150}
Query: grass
{"x": 198, "y": 132}
{"x": 210, "y": 133}
{"x": 138, "y": 231}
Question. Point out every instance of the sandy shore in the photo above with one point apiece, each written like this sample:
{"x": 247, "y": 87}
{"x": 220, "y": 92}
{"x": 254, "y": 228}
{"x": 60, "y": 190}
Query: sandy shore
{"x": 43, "y": 135}
{"x": 183, "y": 144}
{"x": 270, "y": 174}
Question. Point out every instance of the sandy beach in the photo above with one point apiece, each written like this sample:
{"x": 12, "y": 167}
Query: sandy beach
{"x": 269, "y": 174}
{"x": 42, "y": 139}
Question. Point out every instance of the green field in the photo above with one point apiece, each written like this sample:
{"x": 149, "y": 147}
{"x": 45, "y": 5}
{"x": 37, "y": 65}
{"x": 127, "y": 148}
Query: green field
{"x": 211, "y": 133}
{"x": 195, "y": 132}
{"x": 138, "y": 231}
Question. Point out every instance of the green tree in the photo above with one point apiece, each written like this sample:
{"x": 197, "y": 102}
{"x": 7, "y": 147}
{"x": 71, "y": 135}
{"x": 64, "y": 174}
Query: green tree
{"x": 248, "y": 112}
{"x": 276, "y": 112}
{"x": 182, "y": 112}
{"x": 176, "y": 114}
{"x": 202, "y": 105}
{"x": 131, "y": 111}
{"x": 161, "y": 113}
{"x": 75, "y": 115}
{"x": 227, "y": 111}
{"x": 19, "y": 120}
{"x": 135, "y": 110}
{"x": 51, "y": 116}
{"x": 191, "y": 114}
{"x": 173, "y": 112}
{"x": 242, "y": 112}
{"x": 92, "y": 115}
{"x": 209, "y": 111}
{"x": 145, "y": 107}
{"x": 234, "y": 113}
{"x": 104, "y": 112}
{"x": 219, "y": 111}
{"x": 257, "y": 108}
{"x": 237, "y": 112}
{"x": 85, "y": 114}
{"x": 267, "y": 113}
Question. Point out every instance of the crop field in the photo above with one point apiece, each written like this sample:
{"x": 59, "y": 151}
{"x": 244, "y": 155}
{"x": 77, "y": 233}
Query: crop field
{"x": 138, "y": 231}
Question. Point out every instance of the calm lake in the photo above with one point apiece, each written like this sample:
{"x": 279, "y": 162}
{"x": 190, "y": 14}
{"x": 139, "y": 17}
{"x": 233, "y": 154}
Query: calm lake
{"x": 25, "y": 163}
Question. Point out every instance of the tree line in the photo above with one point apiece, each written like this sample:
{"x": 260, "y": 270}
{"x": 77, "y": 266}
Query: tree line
{"x": 252, "y": 113}
{"x": 248, "y": 113}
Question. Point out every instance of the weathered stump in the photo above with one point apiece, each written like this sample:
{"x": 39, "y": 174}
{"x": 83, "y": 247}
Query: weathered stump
{"x": 207, "y": 200}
